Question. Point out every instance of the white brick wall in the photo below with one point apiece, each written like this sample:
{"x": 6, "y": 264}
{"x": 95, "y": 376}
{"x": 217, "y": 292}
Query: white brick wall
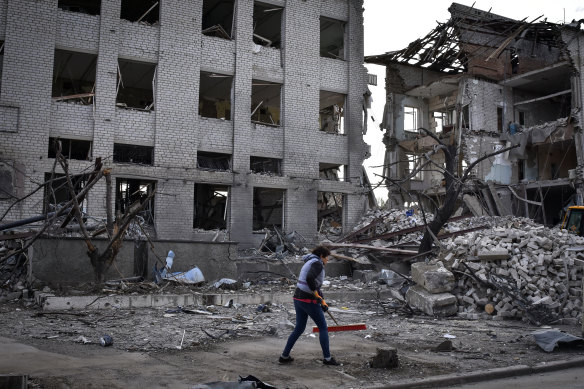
{"x": 35, "y": 27}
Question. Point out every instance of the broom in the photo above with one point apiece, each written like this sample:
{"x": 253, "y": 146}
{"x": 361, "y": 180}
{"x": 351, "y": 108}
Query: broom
{"x": 338, "y": 327}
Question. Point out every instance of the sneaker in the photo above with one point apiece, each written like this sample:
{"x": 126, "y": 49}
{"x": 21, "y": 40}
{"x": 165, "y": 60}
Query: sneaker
{"x": 285, "y": 360}
{"x": 331, "y": 362}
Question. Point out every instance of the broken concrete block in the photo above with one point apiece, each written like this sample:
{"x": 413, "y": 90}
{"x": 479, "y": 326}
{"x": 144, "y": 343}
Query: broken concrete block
{"x": 437, "y": 304}
{"x": 493, "y": 254}
{"x": 366, "y": 276}
{"x": 434, "y": 278}
{"x": 386, "y": 358}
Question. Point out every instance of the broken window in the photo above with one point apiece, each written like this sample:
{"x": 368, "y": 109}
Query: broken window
{"x": 267, "y": 24}
{"x": 136, "y": 85}
{"x": 129, "y": 191}
{"x": 411, "y": 115}
{"x": 6, "y": 184}
{"x": 57, "y": 191}
{"x": 414, "y": 163}
{"x": 331, "y": 112}
{"x": 211, "y": 206}
{"x": 74, "y": 76}
{"x": 266, "y": 165}
{"x": 330, "y": 211}
{"x": 439, "y": 121}
{"x": 218, "y": 18}
{"x": 265, "y": 102}
{"x": 215, "y": 95}
{"x": 268, "y": 208}
{"x": 331, "y": 171}
{"x": 144, "y": 11}
{"x": 90, "y": 7}
{"x": 133, "y": 153}
{"x": 332, "y": 38}
{"x": 70, "y": 148}
{"x": 213, "y": 161}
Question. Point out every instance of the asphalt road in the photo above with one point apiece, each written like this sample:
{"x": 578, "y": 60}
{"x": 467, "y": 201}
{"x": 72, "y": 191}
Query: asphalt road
{"x": 564, "y": 379}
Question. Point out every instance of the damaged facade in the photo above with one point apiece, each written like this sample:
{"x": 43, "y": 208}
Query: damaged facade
{"x": 237, "y": 113}
{"x": 483, "y": 82}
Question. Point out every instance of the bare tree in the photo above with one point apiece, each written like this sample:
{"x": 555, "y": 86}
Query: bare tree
{"x": 454, "y": 185}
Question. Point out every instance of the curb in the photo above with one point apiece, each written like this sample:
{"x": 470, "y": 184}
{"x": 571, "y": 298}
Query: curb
{"x": 485, "y": 375}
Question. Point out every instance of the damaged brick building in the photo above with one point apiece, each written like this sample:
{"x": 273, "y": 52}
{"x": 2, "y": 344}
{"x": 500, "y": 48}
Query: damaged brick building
{"x": 483, "y": 82}
{"x": 241, "y": 114}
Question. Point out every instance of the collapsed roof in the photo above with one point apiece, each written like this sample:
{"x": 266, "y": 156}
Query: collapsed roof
{"x": 473, "y": 39}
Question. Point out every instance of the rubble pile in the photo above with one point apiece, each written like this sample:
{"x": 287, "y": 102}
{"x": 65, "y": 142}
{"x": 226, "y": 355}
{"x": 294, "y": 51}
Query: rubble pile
{"x": 520, "y": 268}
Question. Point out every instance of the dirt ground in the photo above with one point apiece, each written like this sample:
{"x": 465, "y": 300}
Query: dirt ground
{"x": 62, "y": 349}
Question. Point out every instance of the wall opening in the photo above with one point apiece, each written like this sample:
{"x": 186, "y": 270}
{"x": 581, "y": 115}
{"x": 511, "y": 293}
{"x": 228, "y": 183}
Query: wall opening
{"x": 268, "y": 208}
{"x": 414, "y": 163}
{"x": 70, "y": 148}
{"x": 330, "y": 211}
{"x": 211, "y": 206}
{"x": 267, "y": 24}
{"x": 332, "y": 171}
{"x": 439, "y": 121}
{"x": 411, "y": 117}
{"x": 265, "y": 102}
{"x": 261, "y": 165}
{"x": 142, "y": 11}
{"x": 90, "y": 7}
{"x": 6, "y": 181}
{"x": 136, "y": 85}
{"x": 129, "y": 191}
{"x": 331, "y": 112}
{"x": 500, "y": 119}
{"x": 215, "y": 95}
{"x": 57, "y": 191}
{"x": 332, "y": 38}
{"x": 218, "y": 18}
{"x": 125, "y": 153}
{"x": 213, "y": 161}
{"x": 74, "y": 76}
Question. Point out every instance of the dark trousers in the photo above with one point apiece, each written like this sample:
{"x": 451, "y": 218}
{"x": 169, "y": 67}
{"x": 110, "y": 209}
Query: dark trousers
{"x": 303, "y": 311}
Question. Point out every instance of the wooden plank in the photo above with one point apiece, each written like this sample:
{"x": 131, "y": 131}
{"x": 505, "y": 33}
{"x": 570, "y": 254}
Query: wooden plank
{"x": 367, "y": 247}
{"x": 487, "y": 198}
{"x": 501, "y": 209}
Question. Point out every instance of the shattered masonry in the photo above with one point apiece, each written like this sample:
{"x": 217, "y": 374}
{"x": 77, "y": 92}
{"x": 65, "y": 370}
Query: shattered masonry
{"x": 483, "y": 82}
{"x": 238, "y": 113}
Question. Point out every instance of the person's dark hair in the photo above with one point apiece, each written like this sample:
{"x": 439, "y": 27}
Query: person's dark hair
{"x": 321, "y": 251}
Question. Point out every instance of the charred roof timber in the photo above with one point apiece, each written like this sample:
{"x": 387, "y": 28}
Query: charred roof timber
{"x": 144, "y": 11}
{"x": 473, "y": 40}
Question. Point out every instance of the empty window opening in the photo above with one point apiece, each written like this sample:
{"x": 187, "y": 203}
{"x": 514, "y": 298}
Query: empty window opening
{"x": 213, "y": 161}
{"x": 330, "y": 212}
{"x": 142, "y": 11}
{"x": 267, "y": 24}
{"x": 218, "y": 18}
{"x": 411, "y": 116}
{"x": 522, "y": 118}
{"x": 331, "y": 171}
{"x": 215, "y": 95}
{"x": 414, "y": 165}
{"x": 133, "y": 154}
{"x": 6, "y": 182}
{"x": 90, "y": 7}
{"x": 514, "y": 62}
{"x": 332, "y": 38}
{"x": 211, "y": 206}
{"x": 130, "y": 191}
{"x": 74, "y": 76}
{"x": 439, "y": 121}
{"x": 70, "y": 148}
{"x": 500, "y": 119}
{"x": 263, "y": 165}
{"x": 57, "y": 191}
{"x": 331, "y": 112}
{"x": 136, "y": 83}
{"x": 265, "y": 102}
{"x": 268, "y": 208}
